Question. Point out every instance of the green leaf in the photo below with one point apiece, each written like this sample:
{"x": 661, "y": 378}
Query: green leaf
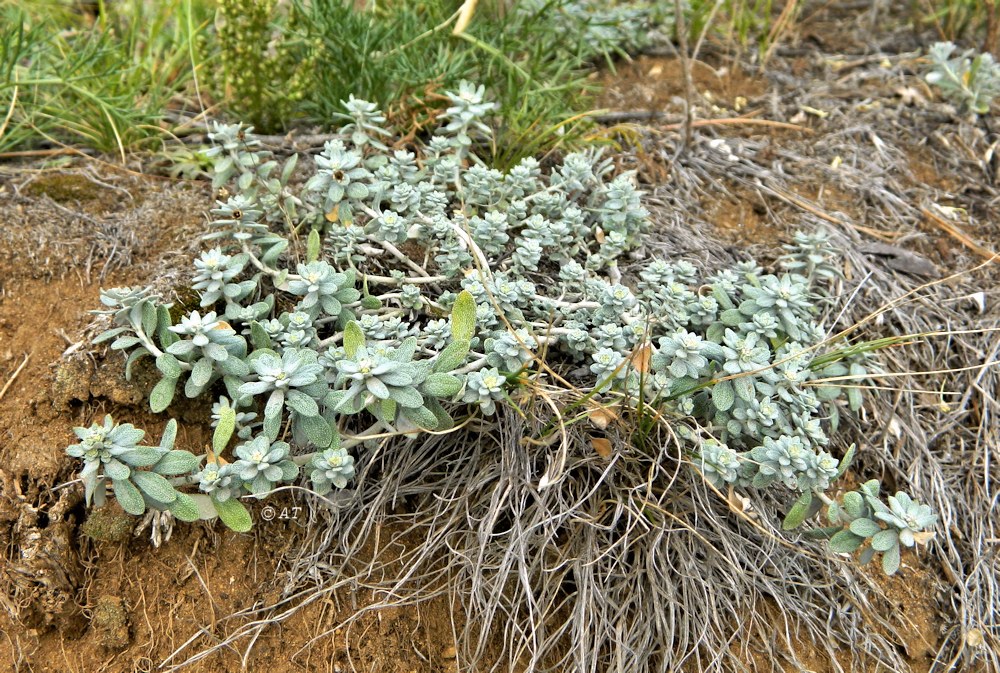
{"x": 407, "y": 397}
{"x": 722, "y": 297}
{"x": 258, "y": 336}
{"x": 865, "y": 527}
{"x": 890, "y": 561}
{"x": 846, "y": 461}
{"x": 822, "y": 533}
{"x": 715, "y": 332}
{"x": 333, "y": 398}
{"x": 723, "y": 395}
{"x": 452, "y": 357}
{"x": 442, "y": 385}
{"x": 854, "y": 504}
{"x": 871, "y": 488}
{"x": 275, "y": 403}
{"x": 405, "y": 351}
{"x": 134, "y": 357}
{"x": 201, "y": 374}
{"x": 799, "y": 512}
{"x": 234, "y": 514}
{"x": 155, "y": 486}
{"x": 422, "y": 417}
{"x": 854, "y": 399}
{"x": 149, "y": 318}
{"x": 313, "y": 246}
{"x": 117, "y": 470}
{"x": 834, "y": 514}
{"x": 845, "y": 542}
{"x": 288, "y": 169}
{"x": 177, "y": 461}
{"x": 122, "y": 343}
{"x": 371, "y": 303}
{"x": 743, "y": 385}
{"x": 224, "y": 430}
{"x": 192, "y": 390}
{"x": 163, "y": 324}
{"x": 302, "y": 403}
{"x": 272, "y": 426}
{"x": 275, "y": 245}
{"x": 142, "y": 456}
{"x": 385, "y": 410}
{"x": 354, "y": 338}
{"x": 185, "y": 508}
{"x": 110, "y": 334}
{"x": 885, "y": 540}
{"x": 169, "y": 366}
{"x": 317, "y": 430}
{"x": 731, "y": 317}
{"x": 169, "y": 435}
{"x": 162, "y": 395}
{"x": 234, "y": 366}
{"x": 129, "y": 497}
{"x": 463, "y": 317}
{"x": 206, "y": 508}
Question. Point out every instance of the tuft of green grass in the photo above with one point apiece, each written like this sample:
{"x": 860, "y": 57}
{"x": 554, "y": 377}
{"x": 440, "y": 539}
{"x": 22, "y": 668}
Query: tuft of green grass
{"x": 404, "y": 55}
{"x": 105, "y": 83}
{"x": 123, "y": 79}
{"x": 953, "y": 20}
{"x": 746, "y": 23}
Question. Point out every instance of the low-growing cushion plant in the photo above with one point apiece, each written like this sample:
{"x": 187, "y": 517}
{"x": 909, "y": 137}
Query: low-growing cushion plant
{"x": 431, "y": 286}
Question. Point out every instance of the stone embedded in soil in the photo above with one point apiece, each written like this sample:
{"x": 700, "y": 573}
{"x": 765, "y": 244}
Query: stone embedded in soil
{"x": 77, "y": 380}
{"x": 71, "y": 382}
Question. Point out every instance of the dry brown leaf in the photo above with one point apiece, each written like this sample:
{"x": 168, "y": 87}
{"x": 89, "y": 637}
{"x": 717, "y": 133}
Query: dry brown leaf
{"x": 602, "y": 446}
{"x": 641, "y": 357}
{"x": 210, "y": 457}
{"x": 909, "y": 95}
{"x": 599, "y": 235}
{"x": 601, "y": 417}
{"x": 738, "y": 503}
{"x": 334, "y": 214}
{"x": 466, "y": 11}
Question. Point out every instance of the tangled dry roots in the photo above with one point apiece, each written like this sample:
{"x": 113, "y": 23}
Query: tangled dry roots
{"x": 632, "y": 563}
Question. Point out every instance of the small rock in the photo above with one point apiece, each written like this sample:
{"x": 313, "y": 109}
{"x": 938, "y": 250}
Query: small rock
{"x": 449, "y": 652}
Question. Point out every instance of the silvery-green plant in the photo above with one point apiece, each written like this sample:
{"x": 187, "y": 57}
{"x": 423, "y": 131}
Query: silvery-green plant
{"x": 138, "y": 474}
{"x": 431, "y": 285}
{"x": 969, "y": 80}
{"x": 860, "y": 520}
{"x": 262, "y": 464}
{"x": 484, "y": 388}
{"x": 332, "y": 468}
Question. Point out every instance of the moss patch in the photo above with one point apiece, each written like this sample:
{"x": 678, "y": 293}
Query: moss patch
{"x": 108, "y": 524}
{"x": 110, "y": 621}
